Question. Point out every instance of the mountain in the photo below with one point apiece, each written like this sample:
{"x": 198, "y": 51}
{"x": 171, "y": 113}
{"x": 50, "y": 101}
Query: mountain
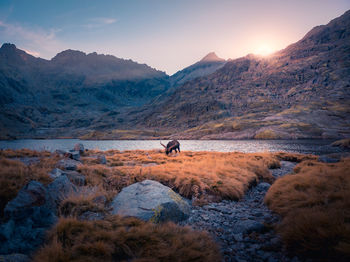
{"x": 302, "y": 91}
{"x": 71, "y": 93}
{"x": 207, "y": 65}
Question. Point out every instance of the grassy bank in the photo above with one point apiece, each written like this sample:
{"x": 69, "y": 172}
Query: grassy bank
{"x": 206, "y": 176}
{"x": 315, "y": 206}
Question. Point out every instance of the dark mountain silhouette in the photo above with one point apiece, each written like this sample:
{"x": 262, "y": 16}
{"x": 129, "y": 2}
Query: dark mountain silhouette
{"x": 70, "y": 92}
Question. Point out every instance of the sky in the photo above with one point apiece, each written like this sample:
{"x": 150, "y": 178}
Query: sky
{"x": 165, "y": 34}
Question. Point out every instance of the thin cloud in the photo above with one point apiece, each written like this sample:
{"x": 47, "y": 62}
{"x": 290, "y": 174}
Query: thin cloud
{"x": 100, "y": 21}
{"x": 38, "y": 41}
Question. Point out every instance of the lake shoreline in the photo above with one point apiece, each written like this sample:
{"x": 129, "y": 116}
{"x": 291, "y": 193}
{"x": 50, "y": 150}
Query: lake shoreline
{"x": 312, "y": 146}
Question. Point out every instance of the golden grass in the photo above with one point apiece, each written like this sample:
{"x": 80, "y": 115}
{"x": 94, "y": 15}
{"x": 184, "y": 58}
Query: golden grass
{"x": 10, "y": 153}
{"x": 125, "y": 239}
{"x": 315, "y": 207}
{"x": 192, "y": 174}
{"x": 87, "y": 200}
{"x": 14, "y": 175}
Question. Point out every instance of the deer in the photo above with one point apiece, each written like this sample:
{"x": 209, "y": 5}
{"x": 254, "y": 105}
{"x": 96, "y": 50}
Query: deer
{"x": 172, "y": 145}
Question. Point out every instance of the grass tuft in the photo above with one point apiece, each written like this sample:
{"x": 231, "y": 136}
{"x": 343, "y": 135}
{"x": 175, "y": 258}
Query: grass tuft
{"x": 125, "y": 239}
{"x": 315, "y": 206}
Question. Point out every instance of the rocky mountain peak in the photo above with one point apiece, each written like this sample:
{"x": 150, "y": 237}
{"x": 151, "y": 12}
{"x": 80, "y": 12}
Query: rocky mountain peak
{"x": 8, "y": 46}
{"x": 212, "y": 57}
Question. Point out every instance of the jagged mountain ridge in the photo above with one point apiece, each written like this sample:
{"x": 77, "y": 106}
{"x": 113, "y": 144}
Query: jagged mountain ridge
{"x": 71, "y": 94}
{"x": 71, "y": 91}
{"x": 302, "y": 91}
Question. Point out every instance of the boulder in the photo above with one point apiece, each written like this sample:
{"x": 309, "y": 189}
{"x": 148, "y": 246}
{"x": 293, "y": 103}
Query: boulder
{"x": 75, "y": 155}
{"x": 30, "y": 196}
{"x": 27, "y": 217}
{"x": 75, "y": 177}
{"x": 79, "y": 147}
{"x": 150, "y": 201}
{"x": 60, "y": 189}
{"x": 68, "y": 164}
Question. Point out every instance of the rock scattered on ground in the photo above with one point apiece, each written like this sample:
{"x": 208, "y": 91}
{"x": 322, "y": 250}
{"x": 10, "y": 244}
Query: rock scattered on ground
{"x": 68, "y": 164}
{"x": 244, "y": 228}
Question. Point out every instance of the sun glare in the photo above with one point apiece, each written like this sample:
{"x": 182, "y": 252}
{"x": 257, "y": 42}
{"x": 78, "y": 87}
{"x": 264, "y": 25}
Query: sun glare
{"x": 264, "y": 50}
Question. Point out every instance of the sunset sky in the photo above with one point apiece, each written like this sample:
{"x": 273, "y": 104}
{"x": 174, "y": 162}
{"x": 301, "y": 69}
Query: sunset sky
{"x": 167, "y": 35}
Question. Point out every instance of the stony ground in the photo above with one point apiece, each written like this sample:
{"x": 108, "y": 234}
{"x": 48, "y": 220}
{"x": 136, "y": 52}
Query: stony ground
{"x": 244, "y": 228}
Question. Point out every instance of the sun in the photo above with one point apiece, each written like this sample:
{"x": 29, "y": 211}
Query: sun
{"x": 264, "y": 50}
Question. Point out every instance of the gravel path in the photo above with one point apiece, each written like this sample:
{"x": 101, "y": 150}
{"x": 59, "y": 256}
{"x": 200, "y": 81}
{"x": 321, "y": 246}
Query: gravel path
{"x": 244, "y": 228}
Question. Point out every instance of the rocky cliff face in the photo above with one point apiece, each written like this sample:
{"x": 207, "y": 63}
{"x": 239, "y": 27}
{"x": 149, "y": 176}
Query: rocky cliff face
{"x": 301, "y": 91}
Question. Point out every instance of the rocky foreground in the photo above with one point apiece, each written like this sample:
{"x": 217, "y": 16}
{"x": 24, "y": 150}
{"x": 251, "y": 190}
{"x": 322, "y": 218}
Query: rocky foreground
{"x": 244, "y": 228}
{"x": 87, "y": 188}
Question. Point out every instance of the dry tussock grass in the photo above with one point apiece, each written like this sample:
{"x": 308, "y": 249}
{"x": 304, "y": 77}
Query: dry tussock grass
{"x": 14, "y": 175}
{"x": 88, "y": 199}
{"x": 315, "y": 206}
{"x": 11, "y": 153}
{"x": 125, "y": 239}
{"x": 192, "y": 174}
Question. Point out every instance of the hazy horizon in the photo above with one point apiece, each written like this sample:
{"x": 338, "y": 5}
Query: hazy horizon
{"x": 166, "y": 35}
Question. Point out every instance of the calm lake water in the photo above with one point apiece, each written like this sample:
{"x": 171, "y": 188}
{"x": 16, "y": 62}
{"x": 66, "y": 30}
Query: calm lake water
{"x": 318, "y": 147}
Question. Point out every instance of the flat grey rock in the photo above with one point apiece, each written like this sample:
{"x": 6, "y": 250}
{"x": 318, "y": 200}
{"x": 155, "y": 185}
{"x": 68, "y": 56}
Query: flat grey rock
{"x": 150, "y": 201}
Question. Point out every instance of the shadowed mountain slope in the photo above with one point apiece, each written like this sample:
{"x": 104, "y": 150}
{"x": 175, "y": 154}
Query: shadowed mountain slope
{"x": 72, "y": 91}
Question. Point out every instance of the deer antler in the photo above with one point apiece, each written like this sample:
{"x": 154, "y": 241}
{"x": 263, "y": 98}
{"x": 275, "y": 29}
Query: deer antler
{"x": 162, "y": 144}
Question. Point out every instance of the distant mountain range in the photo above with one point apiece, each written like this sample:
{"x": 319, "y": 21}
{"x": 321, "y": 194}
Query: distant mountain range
{"x": 302, "y": 91}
